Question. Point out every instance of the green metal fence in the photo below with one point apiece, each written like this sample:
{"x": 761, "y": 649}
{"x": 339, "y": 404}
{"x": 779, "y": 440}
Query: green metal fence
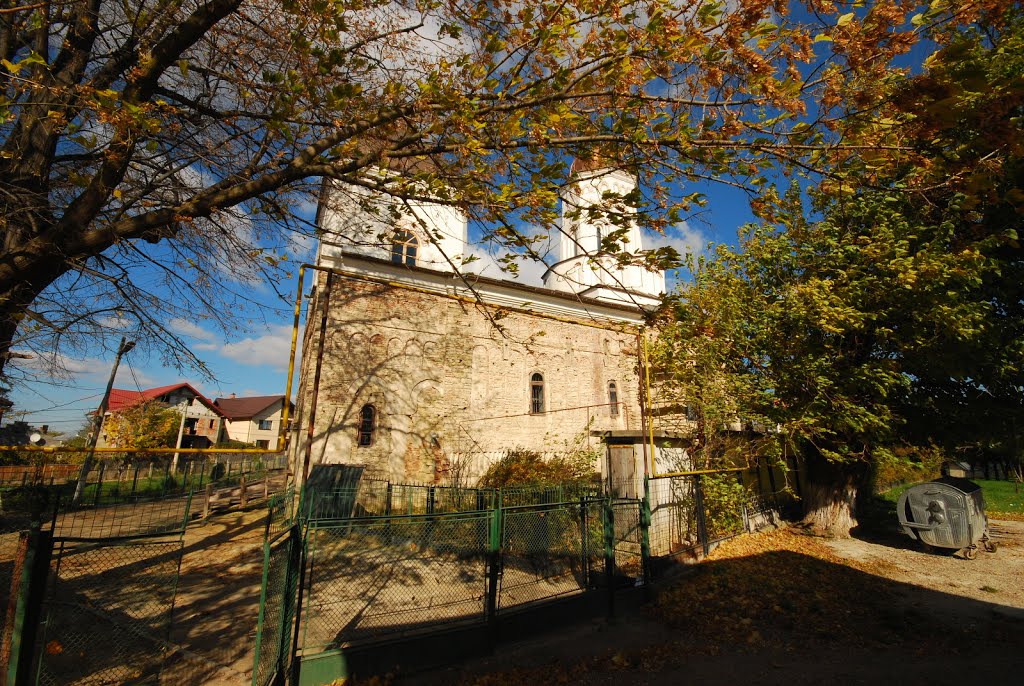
{"x": 107, "y": 612}
{"x": 380, "y": 560}
{"x": 275, "y": 624}
{"x": 376, "y": 498}
{"x": 369, "y": 579}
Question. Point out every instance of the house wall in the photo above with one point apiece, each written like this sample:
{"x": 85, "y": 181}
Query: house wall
{"x": 208, "y": 423}
{"x": 450, "y": 380}
{"x": 248, "y": 431}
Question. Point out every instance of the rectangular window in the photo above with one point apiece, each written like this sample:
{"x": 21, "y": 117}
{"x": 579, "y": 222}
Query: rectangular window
{"x": 266, "y": 425}
{"x": 263, "y": 445}
{"x": 536, "y": 394}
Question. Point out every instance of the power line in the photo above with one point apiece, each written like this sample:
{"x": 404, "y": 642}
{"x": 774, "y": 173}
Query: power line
{"x": 55, "y": 407}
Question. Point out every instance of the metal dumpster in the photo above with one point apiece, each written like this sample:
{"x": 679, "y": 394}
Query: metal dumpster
{"x": 946, "y": 515}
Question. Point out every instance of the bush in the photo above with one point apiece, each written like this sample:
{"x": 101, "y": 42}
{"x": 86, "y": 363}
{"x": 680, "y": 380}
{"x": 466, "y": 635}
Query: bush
{"x": 522, "y": 467}
{"x": 907, "y": 465}
{"x": 234, "y": 444}
{"x": 724, "y": 498}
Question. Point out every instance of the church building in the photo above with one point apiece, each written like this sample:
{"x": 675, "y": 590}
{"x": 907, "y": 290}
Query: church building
{"x": 429, "y": 373}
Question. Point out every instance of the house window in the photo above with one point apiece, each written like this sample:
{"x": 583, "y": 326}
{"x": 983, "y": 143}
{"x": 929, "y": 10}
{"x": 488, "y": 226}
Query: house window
{"x": 367, "y": 425}
{"x": 403, "y": 248}
{"x": 613, "y": 399}
{"x": 212, "y": 422}
{"x": 536, "y": 394}
{"x": 264, "y": 445}
{"x": 266, "y": 425}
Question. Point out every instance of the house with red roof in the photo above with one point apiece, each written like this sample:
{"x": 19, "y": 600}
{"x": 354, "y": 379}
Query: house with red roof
{"x": 202, "y": 422}
{"x": 256, "y": 419}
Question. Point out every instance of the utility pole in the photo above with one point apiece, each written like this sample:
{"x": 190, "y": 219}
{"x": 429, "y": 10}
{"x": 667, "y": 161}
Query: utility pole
{"x": 97, "y": 421}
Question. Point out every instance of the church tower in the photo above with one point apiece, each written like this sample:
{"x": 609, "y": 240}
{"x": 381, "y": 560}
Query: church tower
{"x": 592, "y": 209}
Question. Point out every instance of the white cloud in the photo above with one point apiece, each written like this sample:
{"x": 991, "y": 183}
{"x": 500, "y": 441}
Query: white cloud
{"x": 125, "y": 379}
{"x": 269, "y": 350}
{"x": 114, "y": 323}
{"x": 62, "y": 363}
{"x": 681, "y": 237}
{"x": 486, "y": 264}
{"x": 184, "y": 327}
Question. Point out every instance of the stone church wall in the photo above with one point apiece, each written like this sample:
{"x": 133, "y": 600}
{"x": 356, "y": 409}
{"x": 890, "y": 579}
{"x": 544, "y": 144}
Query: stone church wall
{"x": 450, "y": 381}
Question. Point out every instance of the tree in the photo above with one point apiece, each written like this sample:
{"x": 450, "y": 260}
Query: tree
{"x": 872, "y": 316}
{"x": 147, "y": 424}
{"x": 155, "y": 155}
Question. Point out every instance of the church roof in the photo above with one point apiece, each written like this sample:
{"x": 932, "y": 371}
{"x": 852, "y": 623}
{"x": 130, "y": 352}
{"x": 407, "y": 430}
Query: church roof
{"x": 474, "y": 279}
{"x": 245, "y": 408}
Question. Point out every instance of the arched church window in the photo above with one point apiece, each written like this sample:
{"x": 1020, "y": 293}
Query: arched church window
{"x": 367, "y": 425}
{"x": 536, "y": 394}
{"x": 404, "y": 247}
{"x": 613, "y": 399}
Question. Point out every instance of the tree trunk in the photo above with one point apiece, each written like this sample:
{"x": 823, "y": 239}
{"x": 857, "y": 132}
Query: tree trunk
{"x": 832, "y": 493}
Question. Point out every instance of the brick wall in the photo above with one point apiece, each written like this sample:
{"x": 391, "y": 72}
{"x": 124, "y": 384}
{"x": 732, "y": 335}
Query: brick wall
{"x": 451, "y": 381}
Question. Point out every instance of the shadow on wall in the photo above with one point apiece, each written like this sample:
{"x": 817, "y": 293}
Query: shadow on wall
{"x": 394, "y": 350}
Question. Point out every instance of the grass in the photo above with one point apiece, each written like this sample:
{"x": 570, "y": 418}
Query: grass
{"x": 1001, "y": 497}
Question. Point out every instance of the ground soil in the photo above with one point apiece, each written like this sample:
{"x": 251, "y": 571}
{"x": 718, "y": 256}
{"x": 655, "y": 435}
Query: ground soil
{"x": 781, "y": 607}
{"x": 789, "y": 608}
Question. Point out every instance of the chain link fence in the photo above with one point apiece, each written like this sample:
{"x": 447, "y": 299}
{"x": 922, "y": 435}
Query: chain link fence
{"x": 370, "y": 578}
{"x": 107, "y": 614}
{"x": 376, "y": 498}
{"x": 273, "y": 654}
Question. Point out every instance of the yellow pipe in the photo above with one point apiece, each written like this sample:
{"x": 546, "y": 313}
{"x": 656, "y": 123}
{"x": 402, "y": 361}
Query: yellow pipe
{"x": 700, "y": 471}
{"x": 188, "y": 451}
{"x": 282, "y": 440}
{"x": 650, "y": 415}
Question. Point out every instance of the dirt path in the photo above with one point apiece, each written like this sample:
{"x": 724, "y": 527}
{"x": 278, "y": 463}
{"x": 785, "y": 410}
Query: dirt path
{"x": 995, "y": 579}
{"x": 790, "y": 609}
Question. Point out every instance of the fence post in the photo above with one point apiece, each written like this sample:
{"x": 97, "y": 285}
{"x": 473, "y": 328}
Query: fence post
{"x": 645, "y": 537}
{"x": 99, "y": 485}
{"x": 206, "y": 500}
{"x": 702, "y": 522}
{"x": 608, "y": 520}
{"x": 243, "y": 498}
{"x": 493, "y": 573}
{"x": 585, "y": 540}
{"x": 25, "y": 612}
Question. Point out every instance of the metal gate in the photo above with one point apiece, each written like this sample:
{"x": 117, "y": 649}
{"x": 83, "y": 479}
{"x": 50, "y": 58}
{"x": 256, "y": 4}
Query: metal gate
{"x": 107, "y": 612}
{"x": 274, "y": 637}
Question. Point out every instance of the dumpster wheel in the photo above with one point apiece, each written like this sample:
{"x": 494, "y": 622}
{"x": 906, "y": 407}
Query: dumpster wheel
{"x": 971, "y": 552}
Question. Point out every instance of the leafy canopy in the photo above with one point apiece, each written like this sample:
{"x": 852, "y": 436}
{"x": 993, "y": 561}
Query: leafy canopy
{"x": 158, "y": 158}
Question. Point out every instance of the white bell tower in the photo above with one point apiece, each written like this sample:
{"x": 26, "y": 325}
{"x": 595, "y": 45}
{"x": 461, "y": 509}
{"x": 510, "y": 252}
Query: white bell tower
{"x": 591, "y": 210}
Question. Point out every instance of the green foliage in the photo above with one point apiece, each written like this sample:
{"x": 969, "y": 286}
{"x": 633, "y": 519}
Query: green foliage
{"x": 15, "y": 457}
{"x": 522, "y": 467}
{"x": 145, "y": 425}
{"x": 724, "y": 498}
{"x": 489, "y": 121}
{"x": 217, "y": 471}
{"x": 909, "y": 464}
{"x": 233, "y": 444}
{"x": 881, "y": 312}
